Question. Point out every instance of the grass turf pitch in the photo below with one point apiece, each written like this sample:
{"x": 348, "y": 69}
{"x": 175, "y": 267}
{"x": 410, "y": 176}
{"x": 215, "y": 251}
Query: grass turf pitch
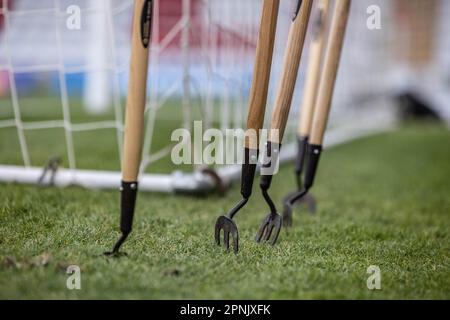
{"x": 382, "y": 200}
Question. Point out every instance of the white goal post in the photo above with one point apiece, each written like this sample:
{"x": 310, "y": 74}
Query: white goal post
{"x": 58, "y": 92}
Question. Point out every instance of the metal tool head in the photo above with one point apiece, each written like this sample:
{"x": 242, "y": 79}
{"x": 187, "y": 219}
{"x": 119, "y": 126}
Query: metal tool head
{"x": 229, "y": 227}
{"x": 128, "y": 191}
{"x": 288, "y": 206}
{"x": 287, "y": 211}
{"x": 50, "y": 168}
{"x": 269, "y": 229}
{"x": 289, "y": 202}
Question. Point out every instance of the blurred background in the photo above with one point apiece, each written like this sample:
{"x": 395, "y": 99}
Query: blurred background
{"x": 64, "y": 74}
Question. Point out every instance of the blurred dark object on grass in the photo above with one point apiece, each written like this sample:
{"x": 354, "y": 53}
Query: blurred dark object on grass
{"x": 414, "y": 107}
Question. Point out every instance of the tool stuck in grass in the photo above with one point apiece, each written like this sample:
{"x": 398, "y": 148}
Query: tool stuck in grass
{"x": 324, "y": 98}
{"x": 316, "y": 53}
{"x": 255, "y": 120}
{"x": 50, "y": 169}
{"x": 134, "y": 117}
{"x": 269, "y": 229}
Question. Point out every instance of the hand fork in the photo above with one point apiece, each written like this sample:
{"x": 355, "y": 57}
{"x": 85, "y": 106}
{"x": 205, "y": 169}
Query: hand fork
{"x": 271, "y": 225}
{"x": 316, "y": 53}
{"x": 324, "y": 98}
{"x": 255, "y": 119}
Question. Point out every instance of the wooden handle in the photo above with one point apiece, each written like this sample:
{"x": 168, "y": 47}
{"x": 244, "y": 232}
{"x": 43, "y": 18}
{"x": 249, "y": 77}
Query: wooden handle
{"x": 330, "y": 68}
{"x": 316, "y": 53}
{"x": 296, "y": 39}
{"x": 134, "y": 117}
{"x": 261, "y": 73}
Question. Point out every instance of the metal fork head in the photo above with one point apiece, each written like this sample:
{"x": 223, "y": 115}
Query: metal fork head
{"x": 229, "y": 227}
{"x": 288, "y": 206}
{"x": 269, "y": 229}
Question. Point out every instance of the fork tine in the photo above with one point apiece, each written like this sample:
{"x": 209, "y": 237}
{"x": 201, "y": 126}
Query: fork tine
{"x": 276, "y": 233}
{"x": 268, "y": 231}
{"x": 261, "y": 230}
{"x": 217, "y": 233}
{"x": 226, "y": 239}
{"x": 287, "y": 215}
{"x": 235, "y": 236}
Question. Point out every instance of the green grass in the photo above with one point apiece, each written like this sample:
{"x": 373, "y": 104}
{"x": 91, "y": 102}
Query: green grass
{"x": 382, "y": 200}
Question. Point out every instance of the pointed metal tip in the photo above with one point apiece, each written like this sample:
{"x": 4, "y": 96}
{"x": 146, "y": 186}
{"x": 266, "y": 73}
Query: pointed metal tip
{"x": 113, "y": 254}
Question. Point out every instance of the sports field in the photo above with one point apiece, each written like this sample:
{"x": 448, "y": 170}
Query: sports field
{"x": 382, "y": 200}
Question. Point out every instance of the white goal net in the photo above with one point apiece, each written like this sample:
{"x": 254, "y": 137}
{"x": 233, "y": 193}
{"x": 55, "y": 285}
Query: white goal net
{"x": 64, "y": 70}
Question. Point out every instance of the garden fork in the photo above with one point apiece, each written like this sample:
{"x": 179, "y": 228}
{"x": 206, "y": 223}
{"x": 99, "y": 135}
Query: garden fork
{"x": 269, "y": 229}
{"x": 325, "y": 94}
{"x": 316, "y": 53}
{"x": 255, "y": 120}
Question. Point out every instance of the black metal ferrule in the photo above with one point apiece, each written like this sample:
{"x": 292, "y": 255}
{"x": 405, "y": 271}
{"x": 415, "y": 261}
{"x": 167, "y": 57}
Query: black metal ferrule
{"x": 268, "y": 167}
{"x": 313, "y": 152}
{"x": 297, "y": 9}
{"x": 265, "y": 181}
{"x": 128, "y": 200}
{"x": 146, "y": 22}
{"x": 302, "y": 143}
{"x": 248, "y": 171}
